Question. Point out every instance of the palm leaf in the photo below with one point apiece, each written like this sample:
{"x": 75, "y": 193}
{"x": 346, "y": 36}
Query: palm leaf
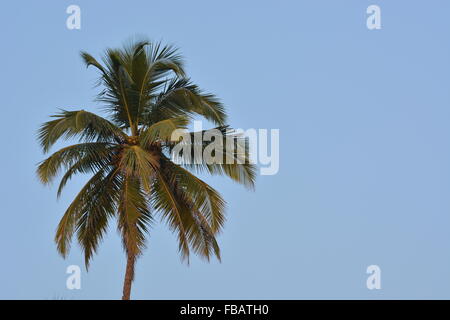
{"x": 95, "y": 155}
{"x": 86, "y": 125}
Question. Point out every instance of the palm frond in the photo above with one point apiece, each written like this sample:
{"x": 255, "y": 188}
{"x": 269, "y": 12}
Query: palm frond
{"x": 134, "y": 216}
{"x": 94, "y": 156}
{"x": 98, "y": 205}
{"x": 182, "y": 97}
{"x": 231, "y": 155}
{"x": 165, "y": 201}
{"x": 140, "y": 164}
{"x": 192, "y": 208}
{"x": 86, "y": 125}
{"x": 96, "y": 199}
{"x": 205, "y": 199}
{"x": 162, "y": 131}
{"x": 131, "y": 76}
{"x": 90, "y": 163}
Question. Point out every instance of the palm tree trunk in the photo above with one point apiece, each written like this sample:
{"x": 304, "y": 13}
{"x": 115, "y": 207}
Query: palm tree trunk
{"x": 129, "y": 275}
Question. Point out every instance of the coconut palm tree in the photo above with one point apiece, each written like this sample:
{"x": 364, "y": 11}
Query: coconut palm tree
{"x": 128, "y": 154}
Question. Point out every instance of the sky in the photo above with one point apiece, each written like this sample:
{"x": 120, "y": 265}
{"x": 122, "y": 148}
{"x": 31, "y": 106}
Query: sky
{"x": 363, "y": 116}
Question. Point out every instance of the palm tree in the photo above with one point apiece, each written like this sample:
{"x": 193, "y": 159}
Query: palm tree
{"x": 146, "y": 96}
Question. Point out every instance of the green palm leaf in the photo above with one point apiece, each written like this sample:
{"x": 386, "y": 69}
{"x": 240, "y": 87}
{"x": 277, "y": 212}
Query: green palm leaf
{"x": 86, "y": 125}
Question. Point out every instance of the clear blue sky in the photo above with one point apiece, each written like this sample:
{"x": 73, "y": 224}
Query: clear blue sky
{"x": 364, "y": 119}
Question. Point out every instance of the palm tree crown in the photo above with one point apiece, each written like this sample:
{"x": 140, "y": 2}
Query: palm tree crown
{"x": 146, "y": 96}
